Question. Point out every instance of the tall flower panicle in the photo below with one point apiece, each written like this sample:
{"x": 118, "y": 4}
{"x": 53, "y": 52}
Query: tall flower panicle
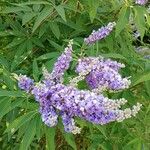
{"x": 89, "y": 106}
{"x": 42, "y": 94}
{"x": 100, "y": 33}
{"x": 62, "y": 63}
{"x": 56, "y": 99}
{"x": 141, "y": 2}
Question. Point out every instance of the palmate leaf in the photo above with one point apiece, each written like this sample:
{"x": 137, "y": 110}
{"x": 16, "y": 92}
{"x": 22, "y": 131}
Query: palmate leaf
{"x": 18, "y": 122}
{"x": 46, "y": 12}
{"x": 27, "y": 17}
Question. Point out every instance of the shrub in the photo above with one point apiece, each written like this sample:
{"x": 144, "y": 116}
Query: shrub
{"x": 33, "y": 35}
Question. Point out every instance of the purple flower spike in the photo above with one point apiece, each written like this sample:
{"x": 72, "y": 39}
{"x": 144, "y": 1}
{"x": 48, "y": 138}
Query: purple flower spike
{"x": 103, "y": 73}
{"x": 141, "y": 2}
{"x": 100, "y": 34}
{"x": 25, "y": 83}
{"x": 62, "y": 63}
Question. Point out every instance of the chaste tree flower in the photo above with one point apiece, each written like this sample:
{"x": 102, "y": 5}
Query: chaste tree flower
{"x": 100, "y": 33}
{"x": 67, "y": 101}
{"x": 141, "y": 2}
{"x": 25, "y": 83}
{"x": 102, "y": 73}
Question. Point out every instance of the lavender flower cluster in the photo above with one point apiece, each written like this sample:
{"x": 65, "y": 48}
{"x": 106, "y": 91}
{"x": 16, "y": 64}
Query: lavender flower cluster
{"x": 56, "y": 99}
{"x": 100, "y": 34}
{"x": 141, "y": 2}
{"x": 102, "y": 73}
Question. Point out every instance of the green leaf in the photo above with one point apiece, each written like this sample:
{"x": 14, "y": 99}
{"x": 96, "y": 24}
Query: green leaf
{"x": 7, "y": 108}
{"x": 50, "y": 64}
{"x": 55, "y": 45}
{"x": 71, "y": 24}
{"x": 132, "y": 141}
{"x": 43, "y": 15}
{"x": 93, "y": 6}
{"x": 17, "y": 123}
{"x": 4, "y": 106}
{"x": 113, "y": 55}
{"x": 140, "y": 20}
{"x": 48, "y": 56}
{"x": 50, "y": 138}
{"x": 43, "y": 29}
{"x": 101, "y": 129}
{"x": 55, "y": 29}
{"x": 37, "y": 2}
{"x": 39, "y": 127}
{"x": 123, "y": 19}
{"x": 18, "y": 58}
{"x": 29, "y": 105}
{"x": 27, "y": 17}
{"x": 70, "y": 140}
{"x": 4, "y": 62}
{"x": 15, "y": 42}
{"x": 16, "y": 9}
{"x": 12, "y": 93}
{"x": 8, "y": 79}
{"x": 35, "y": 70}
{"x": 29, "y": 135}
{"x": 60, "y": 10}
{"x": 148, "y": 19}
{"x": 37, "y": 42}
{"x": 142, "y": 78}
{"x": 6, "y": 33}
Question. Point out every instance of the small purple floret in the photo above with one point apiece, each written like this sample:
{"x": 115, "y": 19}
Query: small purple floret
{"x": 25, "y": 83}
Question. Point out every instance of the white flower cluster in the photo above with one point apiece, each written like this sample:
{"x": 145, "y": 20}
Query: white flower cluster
{"x": 110, "y": 104}
{"x": 128, "y": 113}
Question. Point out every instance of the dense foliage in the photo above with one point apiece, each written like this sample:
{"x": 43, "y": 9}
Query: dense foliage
{"x": 34, "y": 33}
